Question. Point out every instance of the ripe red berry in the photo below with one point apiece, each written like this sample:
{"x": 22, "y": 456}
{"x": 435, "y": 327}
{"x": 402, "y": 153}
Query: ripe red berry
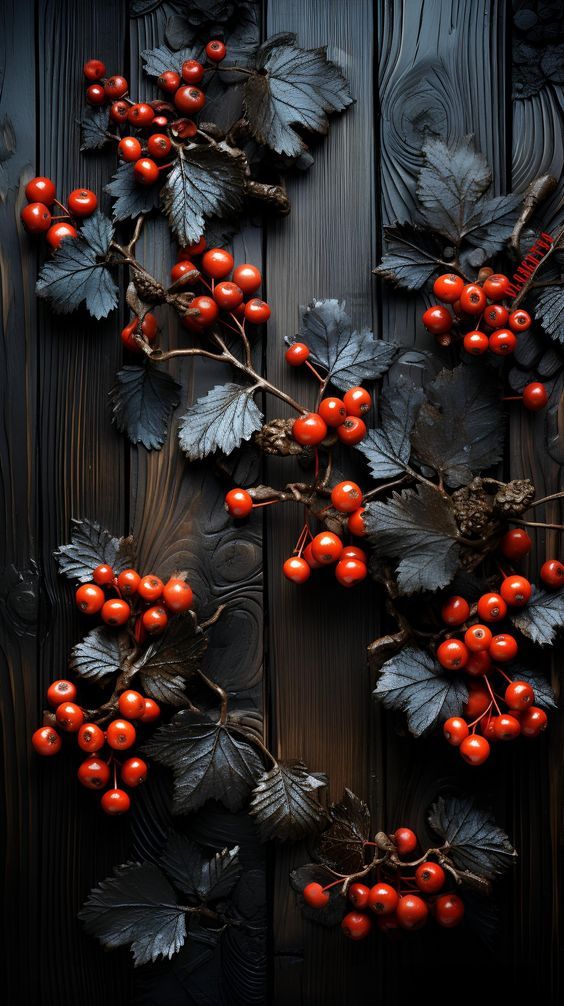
{"x": 496, "y": 286}
{"x": 455, "y": 610}
{"x": 476, "y": 343}
{"x": 238, "y": 503}
{"x": 502, "y": 342}
{"x": 119, "y": 111}
{"x": 93, "y": 773}
{"x": 350, "y": 571}
{"x": 492, "y": 608}
{"x": 552, "y": 573}
{"x": 149, "y": 327}
{"x": 356, "y": 524}
{"x": 405, "y": 840}
{"x": 358, "y": 895}
{"x": 116, "y": 87}
{"x": 103, "y": 574}
{"x": 503, "y": 648}
{"x": 519, "y": 695}
{"x": 496, "y": 316}
{"x": 61, "y": 691}
{"x": 479, "y": 663}
{"x": 437, "y": 319}
{"x": 216, "y": 51}
{"x": 134, "y": 771}
{"x": 150, "y": 587}
{"x": 533, "y": 721}
{"x": 297, "y": 354}
{"x": 116, "y": 612}
{"x": 146, "y": 171}
{"x": 140, "y": 114}
{"x": 310, "y": 558}
{"x": 120, "y": 735}
{"x": 357, "y": 401}
{"x": 383, "y": 899}
{"x": 515, "y": 544}
{"x": 192, "y": 71}
{"x": 36, "y": 218}
{"x": 155, "y": 620}
{"x": 91, "y": 737}
{"x": 89, "y": 598}
{"x": 169, "y": 81}
{"x": 177, "y": 594}
{"x": 515, "y": 590}
{"x": 128, "y": 582}
{"x": 412, "y": 912}
{"x": 257, "y": 311}
{"x": 475, "y": 749}
{"x": 189, "y": 99}
{"x": 535, "y": 396}
{"x": 346, "y": 497}
{"x": 247, "y": 277}
{"x": 352, "y": 431}
{"x": 184, "y": 129}
{"x": 296, "y": 569}
{"x": 506, "y": 727}
{"x": 487, "y": 726}
{"x": 472, "y": 299}
{"x": 228, "y": 295}
{"x": 128, "y": 336}
{"x": 478, "y": 638}
{"x": 58, "y": 232}
{"x": 131, "y": 704}
{"x": 158, "y": 145}
{"x": 353, "y": 552}
{"x": 46, "y": 741}
{"x": 332, "y": 411}
{"x": 430, "y": 877}
{"x": 314, "y": 896}
{"x": 69, "y": 716}
{"x": 96, "y": 95}
{"x": 326, "y": 547}
{"x": 152, "y": 711}
{"x": 356, "y": 926}
{"x": 519, "y": 321}
{"x": 186, "y": 271}
{"x": 115, "y": 801}
{"x": 309, "y": 430}
{"x": 94, "y": 69}
{"x": 208, "y": 312}
{"x": 448, "y": 910}
{"x": 452, "y": 654}
{"x": 479, "y": 700}
{"x": 40, "y": 190}
{"x": 82, "y": 202}
{"x": 448, "y": 287}
{"x": 455, "y": 730}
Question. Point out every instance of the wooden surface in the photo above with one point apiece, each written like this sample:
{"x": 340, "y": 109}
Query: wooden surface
{"x": 438, "y": 65}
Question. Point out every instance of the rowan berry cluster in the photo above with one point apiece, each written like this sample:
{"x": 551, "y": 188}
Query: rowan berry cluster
{"x": 37, "y": 217}
{"x": 143, "y": 602}
{"x": 343, "y": 415}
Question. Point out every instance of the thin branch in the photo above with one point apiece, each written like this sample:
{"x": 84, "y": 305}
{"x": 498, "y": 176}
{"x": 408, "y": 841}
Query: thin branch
{"x": 535, "y": 523}
{"x": 221, "y": 694}
{"x": 546, "y": 499}
{"x": 213, "y": 618}
{"x": 159, "y": 355}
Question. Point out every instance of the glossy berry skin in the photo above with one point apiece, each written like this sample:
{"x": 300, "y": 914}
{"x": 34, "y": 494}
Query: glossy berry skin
{"x": 90, "y": 737}
{"x": 496, "y": 287}
{"x": 448, "y": 287}
{"x": 533, "y": 721}
{"x": 478, "y": 638}
{"x": 519, "y": 695}
{"x": 346, "y": 497}
{"x": 228, "y": 295}
{"x": 437, "y": 319}
{"x": 131, "y": 704}
{"x": 430, "y": 877}
{"x": 506, "y": 727}
{"x": 169, "y": 81}
{"x": 257, "y": 311}
{"x": 146, "y": 171}
{"x": 357, "y": 402}
{"x": 487, "y": 727}
{"x": 332, "y": 411}
{"x": 448, "y": 910}
{"x": 356, "y": 926}
{"x": 155, "y": 620}
{"x": 383, "y": 899}
{"x": 412, "y": 912}
{"x": 58, "y": 232}
{"x": 61, "y": 691}
{"x": 515, "y": 544}
{"x": 216, "y": 51}
{"x": 192, "y": 71}
{"x": 455, "y": 610}
{"x": 208, "y": 312}
{"x": 502, "y": 342}
{"x": 296, "y": 354}
{"x": 90, "y": 598}
{"x": 314, "y": 896}
{"x": 238, "y": 503}
{"x": 140, "y": 114}
{"x": 475, "y": 749}
{"x": 496, "y": 316}
{"x": 69, "y": 716}
{"x": 310, "y": 558}
{"x": 46, "y": 742}
{"x": 352, "y": 431}
{"x": 309, "y": 430}
{"x": 358, "y": 895}
{"x": 476, "y": 343}
{"x": 177, "y": 594}
{"x": 516, "y": 590}
{"x": 350, "y": 571}
{"x": 478, "y": 664}
{"x": 472, "y": 299}
{"x": 406, "y": 841}
{"x": 40, "y": 190}
{"x": 552, "y": 573}
{"x": 452, "y": 654}
{"x": 103, "y": 575}
{"x": 353, "y": 552}
{"x": 503, "y": 648}
{"x": 93, "y": 773}
{"x": 183, "y": 269}
{"x": 150, "y": 587}
{"x": 149, "y": 327}
{"x": 134, "y": 771}
{"x": 535, "y": 396}
{"x": 479, "y": 700}
{"x": 82, "y": 202}
{"x": 158, "y": 145}
{"x": 355, "y": 523}
{"x": 128, "y": 582}
{"x": 247, "y": 277}
{"x": 184, "y": 129}
{"x": 96, "y": 95}
{"x": 36, "y": 218}
{"x": 116, "y": 612}
{"x": 116, "y": 87}
{"x": 94, "y": 69}
{"x": 120, "y": 735}
{"x": 152, "y": 711}
{"x": 326, "y": 548}
{"x": 296, "y": 569}
{"x": 115, "y": 801}
{"x": 119, "y": 110}
{"x": 519, "y": 321}
{"x": 492, "y": 608}
{"x": 189, "y": 99}
{"x": 455, "y": 730}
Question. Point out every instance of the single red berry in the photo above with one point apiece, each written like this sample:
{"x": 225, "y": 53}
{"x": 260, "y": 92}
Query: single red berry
{"x": 89, "y": 598}
{"x": 58, "y": 232}
{"x": 152, "y": 711}
{"x": 448, "y": 287}
{"x": 452, "y": 654}
{"x": 475, "y": 749}
{"x": 326, "y": 547}
{"x": 93, "y": 773}
{"x": 192, "y": 71}
{"x": 502, "y": 342}
{"x": 257, "y": 311}
{"x": 552, "y": 573}
{"x": 134, "y": 771}
{"x": 516, "y": 590}
{"x": 506, "y": 727}
{"x": 69, "y": 716}
{"x": 91, "y": 737}
{"x": 356, "y": 926}
{"x": 357, "y": 401}
{"x": 346, "y": 497}
{"x": 186, "y": 271}
{"x": 430, "y": 877}
{"x": 352, "y": 431}
{"x": 383, "y": 899}
{"x": 448, "y": 910}
{"x": 314, "y": 896}
{"x": 472, "y": 299}
{"x": 478, "y": 638}
{"x": 189, "y": 99}
{"x": 496, "y": 286}
{"x": 309, "y": 430}
{"x": 150, "y": 587}
{"x": 116, "y": 87}
{"x": 238, "y": 503}
{"x": 119, "y": 111}
{"x": 535, "y": 396}
{"x": 115, "y": 801}
{"x": 332, "y": 411}
{"x": 496, "y": 316}
{"x": 533, "y": 721}
{"x": 149, "y": 327}
{"x": 216, "y": 51}
{"x": 297, "y": 354}
{"x": 412, "y": 912}
{"x": 146, "y": 171}
{"x": 82, "y": 202}
{"x": 310, "y": 558}
{"x": 155, "y": 620}
{"x": 116, "y": 612}
{"x": 61, "y": 691}
{"x": 120, "y": 735}
{"x": 455, "y": 610}
{"x": 131, "y": 704}
{"x": 478, "y": 664}
{"x": 94, "y": 69}
{"x": 479, "y": 699}
{"x": 177, "y": 594}
{"x": 487, "y": 726}
{"x": 208, "y": 312}
{"x": 46, "y": 742}
{"x": 356, "y": 524}
{"x": 503, "y": 648}
{"x": 96, "y": 95}
{"x": 476, "y": 343}
{"x": 519, "y": 321}
{"x": 406, "y": 841}
{"x": 516, "y": 543}
{"x": 437, "y": 319}
{"x": 158, "y": 145}
{"x": 192, "y": 250}
{"x": 141, "y": 114}
{"x": 350, "y": 572}
{"x": 103, "y": 574}
{"x": 184, "y": 129}
{"x": 169, "y": 81}
{"x": 128, "y": 582}
{"x": 247, "y": 277}
{"x": 492, "y": 608}
{"x": 296, "y": 569}
{"x": 228, "y": 295}
{"x": 40, "y": 190}
{"x": 36, "y": 218}
{"x": 358, "y": 895}
{"x": 519, "y": 695}
{"x": 353, "y": 552}
{"x": 455, "y": 730}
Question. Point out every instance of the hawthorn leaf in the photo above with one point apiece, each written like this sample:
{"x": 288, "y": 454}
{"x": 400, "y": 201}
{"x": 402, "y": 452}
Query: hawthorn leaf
{"x": 541, "y": 617}
{"x": 220, "y": 420}
{"x": 452, "y": 180}
{"x": 131, "y": 199}
{"x": 98, "y": 231}
{"x": 412, "y": 682}
{"x": 143, "y": 400}
{"x": 204, "y": 182}
{"x": 172, "y": 659}
{"x": 491, "y": 226}
{"x": 544, "y": 693}
{"x": 137, "y": 906}
{"x": 388, "y": 448}
{"x": 197, "y": 875}
{"x": 341, "y": 846}
{"x": 348, "y": 357}
{"x": 98, "y": 656}
{"x": 208, "y": 761}
{"x": 95, "y": 130}
{"x": 156, "y": 61}
{"x": 91, "y": 545}
{"x": 285, "y": 805}
{"x": 416, "y": 527}
{"x": 314, "y": 873}
{"x": 474, "y": 839}
{"x": 412, "y": 256}
{"x": 74, "y": 274}
{"x": 549, "y": 312}
{"x": 460, "y": 430}
{"x": 293, "y": 88}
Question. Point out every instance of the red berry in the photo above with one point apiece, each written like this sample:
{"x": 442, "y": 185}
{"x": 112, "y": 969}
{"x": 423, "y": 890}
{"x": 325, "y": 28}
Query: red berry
{"x": 40, "y": 190}
{"x": 487, "y": 726}
{"x": 116, "y": 87}
{"x": 356, "y": 524}
{"x": 177, "y": 594}
{"x": 128, "y": 336}
{"x": 297, "y": 354}
{"x": 257, "y": 311}
{"x": 169, "y": 81}
{"x": 383, "y": 899}
{"x": 61, "y": 691}
{"x": 155, "y": 620}
{"x": 496, "y": 286}
{"x": 430, "y": 877}
{"x": 412, "y": 912}
{"x": 535, "y": 396}
{"x": 503, "y": 648}
{"x": 502, "y": 342}
{"x": 310, "y": 558}
{"x": 216, "y": 51}
{"x": 103, "y": 574}
{"x": 356, "y": 926}
{"x": 479, "y": 699}
{"x": 455, "y": 730}
{"x": 448, "y": 910}
{"x": 533, "y": 721}
{"x": 184, "y": 129}
{"x": 93, "y": 773}
{"x": 519, "y": 695}
{"x": 36, "y": 218}
{"x": 140, "y": 114}
{"x": 116, "y": 612}
{"x": 357, "y": 401}
{"x": 152, "y": 711}
{"x": 552, "y": 573}
{"x": 309, "y": 430}
{"x": 352, "y": 431}
{"x": 95, "y": 95}
{"x": 496, "y": 316}
{"x": 189, "y": 99}
{"x": 472, "y": 299}
{"x": 452, "y": 654}
{"x": 478, "y": 638}
{"x": 94, "y": 69}
{"x": 358, "y": 895}
{"x": 192, "y": 71}
{"x": 515, "y": 590}
{"x": 186, "y": 271}
{"x": 475, "y": 749}
{"x": 314, "y": 896}
{"x": 515, "y": 544}
{"x": 90, "y": 598}
{"x": 134, "y": 771}
{"x": 448, "y": 287}
{"x": 119, "y": 111}
{"x": 296, "y": 569}
{"x": 69, "y": 716}
{"x": 238, "y": 503}
{"x": 115, "y": 801}
{"x": 149, "y": 327}
{"x": 476, "y": 343}
{"x": 146, "y": 171}
{"x": 506, "y": 727}
{"x": 353, "y": 552}
{"x": 150, "y": 587}
{"x": 455, "y": 610}
{"x": 492, "y": 608}
{"x": 91, "y": 737}
{"x": 46, "y": 741}
{"x": 128, "y": 582}
{"x": 346, "y": 497}
{"x": 208, "y": 312}
{"x": 120, "y": 735}
{"x": 131, "y": 704}
{"x": 158, "y": 145}
{"x": 326, "y": 548}
{"x": 332, "y": 411}
{"x": 350, "y": 571}
{"x": 228, "y": 295}
{"x": 248, "y": 278}
{"x": 58, "y": 232}
{"x": 437, "y": 319}
{"x": 479, "y": 663}
{"x": 519, "y": 321}
{"x": 82, "y": 202}
{"x": 406, "y": 841}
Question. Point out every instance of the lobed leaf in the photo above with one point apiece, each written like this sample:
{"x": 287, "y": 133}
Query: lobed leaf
{"x": 131, "y": 199}
{"x": 168, "y": 663}
{"x": 220, "y": 420}
{"x": 412, "y": 256}
{"x": 341, "y": 846}
{"x": 285, "y": 805}
{"x": 91, "y": 545}
{"x": 198, "y": 876}
{"x": 98, "y": 656}
{"x": 453, "y": 178}
{"x": 388, "y": 449}
{"x": 205, "y": 182}
{"x": 75, "y": 273}
{"x": 549, "y": 312}
{"x": 95, "y": 129}
{"x": 143, "y": 400}
{"x": 412, "y": 683}
{"x": 541, "y": 617}
{"x": 475, "y": 842}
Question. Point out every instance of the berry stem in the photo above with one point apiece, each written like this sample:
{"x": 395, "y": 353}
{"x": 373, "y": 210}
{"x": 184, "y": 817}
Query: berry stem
{"x": 546, "y": 499}
{"x": 474, "y": 723}
{"x": 314, "y": 372}
{"x": 490, "y": 690}
{"x": 61, "y": 207}
{"x": 535, "y": 523}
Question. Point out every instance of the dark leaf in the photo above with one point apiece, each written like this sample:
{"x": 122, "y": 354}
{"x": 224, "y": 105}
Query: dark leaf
{"x": 98, "y": 655}
{"x": 131, "y": 199}
{"x": 143, "y": 400}
{"x": 204, "y": 182}
{"x": 544, "y": 694}
{"x": 209, "y": 762}
{"x": 412, "y": 256}
{"x": 293, "y": 88}
{"x": 74, "y": 274}
{"x": 450, "y": 183}
{"x": 388, "y": 449}
{"x": 416, "y": 527}
{"x": 94, "y": 130}
{"x": 90, "y": 546}
{"x": 542, "y": 616}
{"x": 490, "y": 227}
{"x": 549, "y": 312}
{"x": 313, "y": 873}
{"x": 172, "y": 659}
{"x": 348, "y": 357}
{"x": 475, "y": 841}
{"x": 195, "y": 874}
{"x": 412, "y": 682}
{"x": 285, "y": 804}
{"x": 459, "y": 430}
{"x": 220, "y": 420}
{"x": 98, "y": 231}
{"x": 341, "y": 846}
{"x": 156, "y": 61}
{"x": 136, "y": 906}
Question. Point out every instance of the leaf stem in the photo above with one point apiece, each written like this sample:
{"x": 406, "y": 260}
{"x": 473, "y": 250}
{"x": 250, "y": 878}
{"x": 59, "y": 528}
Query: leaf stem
{"x": 221, "y": 694}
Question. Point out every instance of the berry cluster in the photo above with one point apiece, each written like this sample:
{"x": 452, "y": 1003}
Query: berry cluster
{"x": 38, "y": 219}
{"x": 343, "y": 415}
{"x": 145, "y": 602}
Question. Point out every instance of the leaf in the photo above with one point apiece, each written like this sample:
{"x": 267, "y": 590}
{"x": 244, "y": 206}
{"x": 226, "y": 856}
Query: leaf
{"x": 156, "y": 61}
{"x": 549, "y": 312}
{"x": 98, "y": 231}
{"x": 541, "y": 617}
{"x": 136, "y": 906}
{"x": 195, "y": 874}
{"x": 94, "y": 130}
{"x": 313, "y": 873}
{"x": 348, "y": 357}
{"x": 204, "y": 182}
{"x": 416, "y": 527}
{"x": 341, "y": 846}
{"x": 491, "y": 226}
{"x": 131, "y": 199}
{"x": 460, "y": 429}
{"x": 220, "y": 420}
{"x": 98, "y": 655}
{"x": 451, "y": 181}
{"x": 544, "y": 694}
{"x": 412, "y": 256}
{"x": 411, "y": 682}
{"x": 91, "y": 545}
{"x": 293, "y": 88}
{"x": 475, "y": 841}
{"x": 172, "y": 659}
{"x": 143, "y": 400}
{"x": 208, "y": 761}
{"x": 388, "y": 449}
{"x": 285, "y": 805}
{"x": 74, "y": 274}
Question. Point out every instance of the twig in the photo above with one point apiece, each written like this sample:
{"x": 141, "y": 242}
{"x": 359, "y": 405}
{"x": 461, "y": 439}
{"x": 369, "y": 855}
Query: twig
{"x": 213, "y": 618}
{"x": 220, "y": 692}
